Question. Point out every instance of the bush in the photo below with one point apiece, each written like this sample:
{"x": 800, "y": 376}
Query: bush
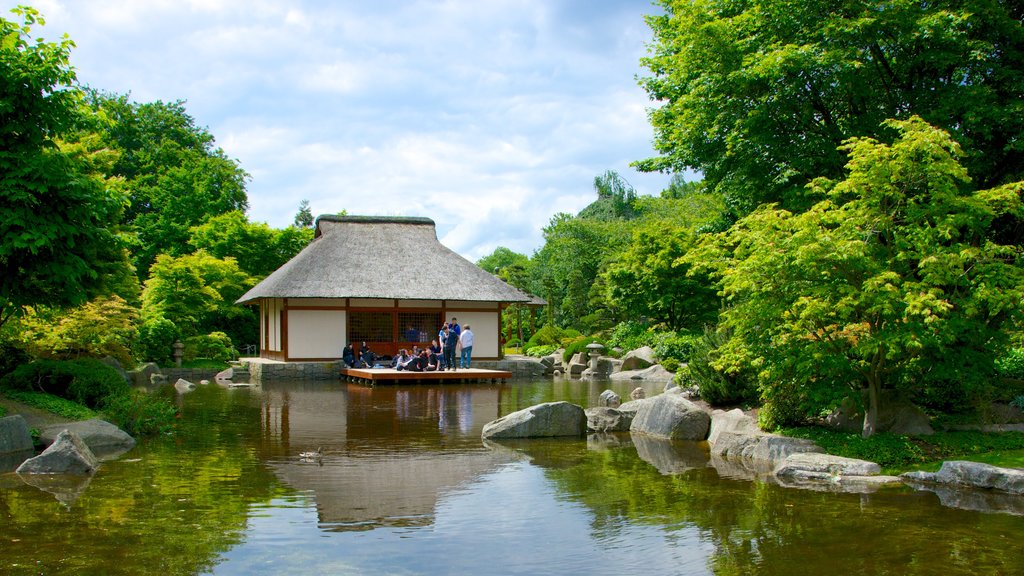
{"x": 679, "y": 347}
{"x": 157, "y": 336}
{"x": 716, "y": 387}
{"x": 53, "y": 404}
{"x": 542, "y": 350}
{"x": 11, "y": 356}
{"x": 105, "y": 326}
{"x": 141, "y": 414}
{"x": 1011, "y": 364}
{"x": 578, "y": 345}
{"x": 670, "y": 364}
{"x": 630, "y": 335}
{"x": 214, "y": 346}
{"x": 86, "y": 381}
{"x": 551, "y": 335}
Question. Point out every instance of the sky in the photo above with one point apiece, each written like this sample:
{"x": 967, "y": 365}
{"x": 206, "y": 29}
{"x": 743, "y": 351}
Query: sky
{"x": 487, "y": 116}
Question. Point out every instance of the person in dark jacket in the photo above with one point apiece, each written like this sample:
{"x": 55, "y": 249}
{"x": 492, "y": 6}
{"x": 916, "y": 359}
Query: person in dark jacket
{"x": 348, "y": 356}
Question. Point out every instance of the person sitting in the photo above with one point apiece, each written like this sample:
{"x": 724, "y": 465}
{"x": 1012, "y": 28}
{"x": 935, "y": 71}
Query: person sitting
{"x": 348, "y": 356}
{"x": 417, "y": 363}
{"x": 433, "y": 362}
{"x": 400, "y": 359}
{"x": 367, "y": 358}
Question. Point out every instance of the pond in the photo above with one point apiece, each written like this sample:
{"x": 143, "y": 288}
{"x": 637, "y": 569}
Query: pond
{"x": 407, "y": 486}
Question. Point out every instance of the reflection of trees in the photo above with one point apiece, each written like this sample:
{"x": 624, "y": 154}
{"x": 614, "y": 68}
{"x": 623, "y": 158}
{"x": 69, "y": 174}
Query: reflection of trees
{"x": 760, "y": 528}
{"x": 170, "y": 506}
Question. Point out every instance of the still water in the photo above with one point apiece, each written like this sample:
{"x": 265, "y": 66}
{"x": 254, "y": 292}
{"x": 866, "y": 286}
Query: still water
{"x": 406, "y": 486}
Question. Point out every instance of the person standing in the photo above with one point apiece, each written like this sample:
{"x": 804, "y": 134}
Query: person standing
{"x": 449, "y": 340}
{"x": 466, "y": 340}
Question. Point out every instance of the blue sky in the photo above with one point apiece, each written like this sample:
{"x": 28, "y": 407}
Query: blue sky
{"x": 487, "y": 116}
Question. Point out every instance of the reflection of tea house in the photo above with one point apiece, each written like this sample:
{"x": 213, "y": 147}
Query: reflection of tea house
{"x": 384, "y": 280}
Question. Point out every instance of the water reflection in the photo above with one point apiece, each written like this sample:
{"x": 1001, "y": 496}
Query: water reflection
{"x": 406, "y": 485}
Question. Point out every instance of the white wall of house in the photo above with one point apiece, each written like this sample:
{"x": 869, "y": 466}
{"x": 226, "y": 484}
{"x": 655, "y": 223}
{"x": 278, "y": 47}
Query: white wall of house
{"x": 485, "y": 331}
{"x": 270, "y": 324}
{"x": 316, "y": 334}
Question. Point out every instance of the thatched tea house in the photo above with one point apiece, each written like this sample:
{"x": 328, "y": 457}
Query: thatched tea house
{"x": 387, "y": 281}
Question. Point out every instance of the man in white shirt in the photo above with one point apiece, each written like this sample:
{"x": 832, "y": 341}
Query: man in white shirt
{"x": 466, "y": 340}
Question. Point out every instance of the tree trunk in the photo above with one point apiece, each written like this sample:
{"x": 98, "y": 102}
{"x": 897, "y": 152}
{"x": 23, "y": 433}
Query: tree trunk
{"x": 871, "y": 410}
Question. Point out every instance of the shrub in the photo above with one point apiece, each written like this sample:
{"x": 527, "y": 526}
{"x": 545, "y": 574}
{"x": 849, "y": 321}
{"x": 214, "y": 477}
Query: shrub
{"x": 54, "y": 404}
{"x": 716, "y": 386}
{"x": 676, "y": 346}
{"x": 629, "y": 335}
{"x": 579, "y": 345}
{"x": 11, "y": 356}
{"x": 157, "y": 336}
{"x": 550, "y": 334}
{"x": 1018, "y": 402}
{"x": 105, "y": 326}
{"x": 542, "y": 350}
{"x": 141, "y": 414}
{"x": 86, "y": 381}
{"x": 214, "y": 346}
{"x": 670, "y": 364}
{"x": 1011, "y": 364}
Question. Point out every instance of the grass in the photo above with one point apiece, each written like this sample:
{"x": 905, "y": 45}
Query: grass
{"x": 3, "y": 411}
{"x": 897, "y": 454}
{"x": 50, "y": 403}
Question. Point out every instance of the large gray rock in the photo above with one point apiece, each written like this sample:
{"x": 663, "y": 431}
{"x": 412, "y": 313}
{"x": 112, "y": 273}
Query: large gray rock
{"x": 639, "y": 359}
{"x": 543, "y": 420}
{"x": 763, "y": 449}
{"x": 143, "y": 375}
{"x": 67, "y": 455}
{"x": 226, "y": 374}
{"x": 113, "y": 363}
{"x": 732, "y": 421}
{"x": 605, "y": 367}
{"x": 103, "y": 438}
{"x": 974, "y": 474}
{"x": 605, "y": 419}
{"x": 183, "y": 386}
{"x": 825, "y": 466}
{"x": 654, "y": 373}
{"x": 896, "y": 414}
{"x": 671, "y": 416}
{"x": 14, "y": 435}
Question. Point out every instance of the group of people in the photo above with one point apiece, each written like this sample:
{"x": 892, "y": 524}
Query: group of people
{"x": 439, "y": 356}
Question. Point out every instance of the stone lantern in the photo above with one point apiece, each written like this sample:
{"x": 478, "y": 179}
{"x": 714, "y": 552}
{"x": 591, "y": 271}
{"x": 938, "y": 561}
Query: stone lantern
{"x": 594, "y": 349}
{"x": 179, "y": 351}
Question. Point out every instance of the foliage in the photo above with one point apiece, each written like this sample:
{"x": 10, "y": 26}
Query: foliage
{"x": 198, "y": 292}
{"x": 11, "y": 355}
{"x": 615, "y": 199}
{"x": 56, "y": 231}
{"x": 3, "y": 411}
{"x": 629, "y": 335}
{"x": 212, "y": 346}
{"x": 717, "y": 387}
{"x": 157, "y": 336}
{"x": 541, "y": 350}
{"x": 54, "y": 404}
{"x": 577, "y": 345}
{"x": 506, "y": 264}
{"x": 875, "y": 285}
{"x": 140, "y": 413}
{"x": 104, "y": 326}
{"x": 670, "y": 364}
{"x": 758, "y": 95}
{"x": 1011, "y": 364}
{"x": 551, "y": 335}
{"x": 258, "y": 248}
{"x": 674, "y": 346}
{"x": 175, "y": 177}
{"x": 1018, "y": 402}
{"x": 86, "y": 381}
{"x": 895, "y": 453}
{"x": 304, "y": 217}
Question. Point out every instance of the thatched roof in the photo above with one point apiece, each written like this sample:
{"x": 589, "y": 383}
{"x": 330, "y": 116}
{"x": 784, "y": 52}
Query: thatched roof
{"x": 381, "y": 257}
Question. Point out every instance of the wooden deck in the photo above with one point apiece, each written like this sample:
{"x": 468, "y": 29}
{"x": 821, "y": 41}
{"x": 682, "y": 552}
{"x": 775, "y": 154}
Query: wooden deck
{"x": 373, "y": 376}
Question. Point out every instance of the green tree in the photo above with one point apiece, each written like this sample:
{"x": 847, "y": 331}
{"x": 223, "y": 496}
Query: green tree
{"x": 57, "y": 216}
{"x": 175, "y": 176}
{"x": 104, "y": 326}
{"x": 891, "y": 279}
{"x": 258, "y": 248}
{"x": 197, "y": 292}
{"x": 758, "y": 95}
{"x": 304, "y": 217}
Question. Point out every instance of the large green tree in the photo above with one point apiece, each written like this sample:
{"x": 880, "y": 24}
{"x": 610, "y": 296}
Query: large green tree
{"x": 56, "y": 213}
{"x": 258, "y": 248}
{"x": 892, "y": 279}
{"x": 759, "y": 94}
{"x": 174, "y": 174}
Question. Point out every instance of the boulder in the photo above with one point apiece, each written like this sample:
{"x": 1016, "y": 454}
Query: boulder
{"x": 654, "y": 374}
{"x": 671, "y": 416}
{"x": 639, "y": 359}
{"x": 732, "y": 421}
{"x": 113, "y": 363}
{"x": 67, "y": 455}
{"x": 103, "y": 438}
{"x": 142, "y": 376}
{"x": 14, "y": 435}
{"x": 896, "y": 414}
{"x": 609, "y": 398}
{"x": 766, "y": 450}
{"x": 637, "y": 394}
{"x": 158, "y": 379}
{"x": 543, "y": 420}
{"x": 183, "y": 386}
{"x": 226, "y": 374}
{"x": 575, "y": 369}
{"x": 605, "y": 367}
{"x": 811, "y": 465}
{"x": 974, "y": 474}
{"x": 604, "y": 419}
